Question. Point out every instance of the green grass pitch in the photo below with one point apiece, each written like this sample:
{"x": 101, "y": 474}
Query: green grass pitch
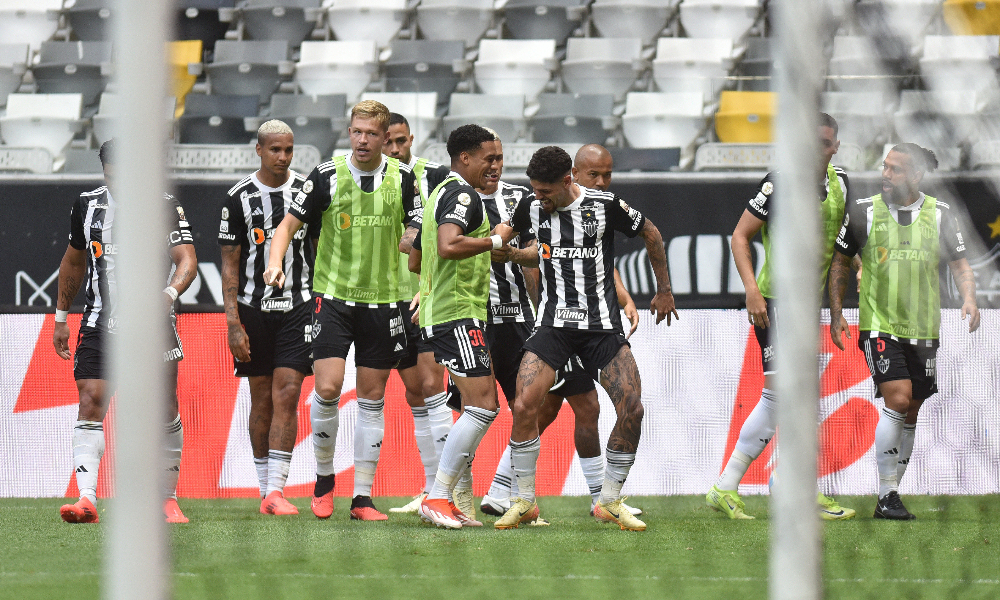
{"x": 229, "y": 550}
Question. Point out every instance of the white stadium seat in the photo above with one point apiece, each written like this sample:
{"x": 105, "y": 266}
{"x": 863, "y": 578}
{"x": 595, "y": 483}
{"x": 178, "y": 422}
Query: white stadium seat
{"x": 718, "y": 18}
{"x": 503, "y": 113}
{"x": 644, "y": 19}
{"x": 326, "y": 68}
{"x": 13, "y": 64}
{"x": 855, "y": 66}
{"x": 41, "y": 121}
{"x": 28, "y": 21}
{"x": 944, "y": 119}
{"x": 664, "y": 120}
{"x": 378, "y": 20}
{"x": 465, "y": 20}
{"x": 693, "y": 65}
{"x": 419, "y": 108}
{"x": 515, "y": 66}
{"x": 863, "y": 117}
{"x": 960, "y": 62}
{"x": 602, "y": 65}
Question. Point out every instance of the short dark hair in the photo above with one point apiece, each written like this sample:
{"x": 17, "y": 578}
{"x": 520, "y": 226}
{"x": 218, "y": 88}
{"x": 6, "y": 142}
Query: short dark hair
{"x": 107, "y": 152}
{"x": 923, "y": 159}
{"x": 398, "y": 119}
{"x": 826, "y": 120}
{"x": 549, "y": 164}
{"x": 467, "y": 138}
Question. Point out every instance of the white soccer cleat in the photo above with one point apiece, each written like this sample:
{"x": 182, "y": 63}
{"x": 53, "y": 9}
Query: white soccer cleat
{"x": 494, "y": 506}
{"x": 438, "y": 511}
{"x": 411, "y": 507}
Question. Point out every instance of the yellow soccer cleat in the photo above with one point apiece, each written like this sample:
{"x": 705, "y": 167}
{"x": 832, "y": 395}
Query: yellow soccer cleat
{"x": 617, "y": 512}
{"x": 727, "y": 502}
{"x": 520, "y": 511}
{"x": 464, "y": 501}
{"x": 412, "y": 506}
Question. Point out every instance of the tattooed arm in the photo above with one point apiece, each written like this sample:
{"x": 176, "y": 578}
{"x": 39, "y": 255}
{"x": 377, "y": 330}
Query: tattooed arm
{"x": 965, "y": 279}
{"x": 406, "y": 242}
{"x": 72, "y": 270}
{"x": 239, "y": 343}
{"x": 840, "y": 273}
{"x": 662, "y": 304}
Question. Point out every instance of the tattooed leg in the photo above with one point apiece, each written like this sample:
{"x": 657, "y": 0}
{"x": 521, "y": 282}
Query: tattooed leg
{"x": 534, "y": 379}
{"x": 620, "y": 379}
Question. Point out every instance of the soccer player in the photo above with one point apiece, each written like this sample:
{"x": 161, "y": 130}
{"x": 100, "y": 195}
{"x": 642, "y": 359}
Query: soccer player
{"x": 760, "y": 425}
{"x": 454, "y": 291}
{"x": 91, "y": 253}
{"x": 902, "y": 235}
{"x": 421, "y": 376}
{"x": 579, "y": 315}
{"x": 269, "y": 330}
{"x": 362, "y": 202}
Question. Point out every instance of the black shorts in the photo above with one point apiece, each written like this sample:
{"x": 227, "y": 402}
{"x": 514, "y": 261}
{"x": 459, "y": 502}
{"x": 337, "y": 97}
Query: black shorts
{"x": 506, "y": 343}
{"x": 891, "y": 360}
{"x": 376, "y": 330}
{"x": 277, "y": 339}
{"x": 89, "y": 361}
{"x": 461, "y": 347}
{"x": 415, "y": 344}
{"x": 572, "y": 379}
{"x": 765, "y": 339}
{"x": 555, "y": 345}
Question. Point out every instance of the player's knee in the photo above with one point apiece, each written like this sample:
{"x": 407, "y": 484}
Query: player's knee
{"x": 91, "y": 405}
{"x": 329, "y": 389}
{"x": 525, "y": 409}
{"x": 633, "y": 407}
{"x": 587, "y": 409}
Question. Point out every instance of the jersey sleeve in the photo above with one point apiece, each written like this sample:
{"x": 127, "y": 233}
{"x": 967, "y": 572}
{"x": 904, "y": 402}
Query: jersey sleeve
{"x": 180, "y": 229}
{"x": 951, "y": 239}
{"x": 462, "y": 207}
{"x": 521, "y": 219}
{"x": 314, "y": 198}
{"x": 77, "y": 236}
{"x": 758, "y": 206}
{"x": 232, "y": 224}
{"x": 624, "y": 218}
{"x": 412, "y": 206}
{"x": 850, "y": 239}
{"x": 435, "y": 176}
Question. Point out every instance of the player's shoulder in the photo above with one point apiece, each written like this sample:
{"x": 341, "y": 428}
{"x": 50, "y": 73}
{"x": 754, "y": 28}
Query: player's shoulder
{"x": 297, "y": 179}
{"x": 512, "y": 190}
{"x": 242, "y": 186}
{"x": 403, "y": 167}
{"x": 862, "y": 202}
{"x": 94, "y": 194}
{"x": 592, "y": 196}
{"x": 944, "y": 206}
{"x": 841, "y": 174}
{"x": 326, "y": 167}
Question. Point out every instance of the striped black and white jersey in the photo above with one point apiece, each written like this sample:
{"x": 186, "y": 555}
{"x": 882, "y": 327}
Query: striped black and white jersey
{"x": 576, "y": 252}
{"x": 509, "y": 301}
{"x": 250, "y": 214}
{"x": 91, "y": 228}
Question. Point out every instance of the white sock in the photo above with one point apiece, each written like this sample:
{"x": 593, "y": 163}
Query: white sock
{"x": 88, "y": 448}
{"x": 759, "y": 427}
{"x": 619, "y": 464}
{"x": 175, "y": 442}
{"x": 501, "y": 486}
{"x": 277, "y": 470}
{"x": 735, "y": 469}
{"x": 465, "y": 480}
{"x": 425, "y": 443}
{"x": 524, "y": 461}
{"x": 593, "y": 473}
{"x": 460, "y": 448}
{"x": 368, "y": 434}
{"x": 905, "y": 449}
{"x": 261, "y": 466}
{"x": 440, "y": 419}
{"x": 887, "y": 437}
{"x": 325, "y": 418}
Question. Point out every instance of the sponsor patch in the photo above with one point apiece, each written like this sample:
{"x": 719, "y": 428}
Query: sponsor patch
{"x": 571, "y": 314}
{"x": 224, "y": 226}
{"x": 276, "y": 304}
{"x": 307, "y": 187}
{"x": 225, "y": 213}
{"x": 506, "y": 309}
{"x": 460, "y": 210}
{"x": 180, "y": 213}
{"x": 767, "y": 188}
{"x": 464, "y": 199}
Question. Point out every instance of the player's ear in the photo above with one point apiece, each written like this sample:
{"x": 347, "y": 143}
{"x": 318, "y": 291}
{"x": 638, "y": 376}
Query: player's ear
{"x": 259, "y": 149}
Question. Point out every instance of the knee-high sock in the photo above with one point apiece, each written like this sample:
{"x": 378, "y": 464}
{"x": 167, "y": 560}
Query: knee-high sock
{"x": 501, "y": 486}
{"x": 88, "y": 448}
{"x": 905, "y": 449}
{"x": 460, "y": 448}
{"x": 619, "y": 464}
{"x": 175, "y": 442}
{"x": 261, "y": 465}
{"x": 368, "y": 435}
{"x": 425, "y": 443}
{"x": 440, "y": 419}
{"x": 755, "y": 434}
{"x": 887, "y": 437}
{"x": 278, "y": 463}
{"x": 524, "y": 461}
{"x": 593, "y": 473}
{"x": 325, "y": 418}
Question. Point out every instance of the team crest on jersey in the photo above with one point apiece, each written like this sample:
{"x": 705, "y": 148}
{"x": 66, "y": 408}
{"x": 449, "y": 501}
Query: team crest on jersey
{"x": 307, "y": 187}
{"x": 225, "y": 213}
{"x": 589, "y": 223}
{"x": 883, "y": 364}
{"x": 767, "y": 188}
{"x": 464, "y": 199}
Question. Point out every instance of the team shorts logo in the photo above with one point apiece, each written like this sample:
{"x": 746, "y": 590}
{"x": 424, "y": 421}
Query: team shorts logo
{"x": 883, "y": 364}
{"x": 571, "y": 314}
{"x": 589, "y": 223}
{"x": 314, "y": 330}
{"x": 930, "y": 368}
{"x": 258, "y": 235}
{"x": 484, "y": 359}
{"x": 308, "y": 338}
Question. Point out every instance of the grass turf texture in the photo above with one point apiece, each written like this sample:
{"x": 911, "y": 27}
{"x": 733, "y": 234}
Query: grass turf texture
{"x": 229, "y": 550}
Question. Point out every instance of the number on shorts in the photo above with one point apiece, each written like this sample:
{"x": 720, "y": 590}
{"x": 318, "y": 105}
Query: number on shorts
{"x": 880, "y": 344}
{"x": 319, "y": 303}
{"x": 476, "y": 335}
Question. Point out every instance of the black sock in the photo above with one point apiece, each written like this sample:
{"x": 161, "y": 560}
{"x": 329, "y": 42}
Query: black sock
{"x": 362, "y": 502}
{"x": 324, "y": 484}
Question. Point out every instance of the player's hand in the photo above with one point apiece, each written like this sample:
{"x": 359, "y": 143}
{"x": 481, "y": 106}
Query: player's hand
{"x": 633, "y": 317}
{"x": 838, "y": 327}
{"x": 505, "y": 231}
{"x": 275, "y": 277}
{"x": 415, "y": 308}
{"x": 504, "y": 254}
{"x": 757, "y": 310}
{"x": 60, "y": 339}
{"x": 662, "y": 305}
{"x": 239, "y": 342}
{"x": 969, "y": 309}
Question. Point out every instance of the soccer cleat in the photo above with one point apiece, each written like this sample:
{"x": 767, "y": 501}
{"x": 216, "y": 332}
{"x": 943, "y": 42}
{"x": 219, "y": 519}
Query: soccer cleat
{"x": 438, "y": 512}
{"x": 464, "y": 501}
{"x": 362, "y": 509}
{"x": 616, "y": 512}
{"x": 411, "y": 507}
{"x": 173, "y": 512}
{"x": 830, "y": 510}
{"x": 275, "y": 504}
{"x": 891, "y": 507}
{"x": 520, "y": 511}
{"x": 463, "y": 518}
{"x": 727, "y": 502}
{"x": 322, "y": 506}
{"x": 635, "y": 511}
{"x": 494, "y": 506}
{"x": 83, "y": 511}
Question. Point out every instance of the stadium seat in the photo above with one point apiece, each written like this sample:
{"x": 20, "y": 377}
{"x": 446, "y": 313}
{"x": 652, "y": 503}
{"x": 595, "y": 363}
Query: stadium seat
{"x": 972, "y": 17}
{"x": 602, "y": 65}
{"x": 181, "y": 55}
{"x": 82, "y": 161}
{"x": 693, "y": 65}
{"x": 573, "y": 119}
{"x": 425, "y": 66}
{"x": 316, "y": 120}
{"x": 542, "y": 19}
{"x": 718, "y": 18}
{"x": 13, "y": 64}
{"x": 961, "y": 62}
{"x": 68, "y": 67}
{"x": 290, "y": 20}
{"x": 515, "y": 66}
{"x": 25, "y": 160}
{"x": 858, "y": 65}
{"x": 907, "y": 20}
{"x": 745, "y": 117}
{"x": 644, "y": 19}
{"x": 326, "y": 68}
{"x": 754, "y": 68}
{"x": 46, "y": 121}
{"x": 199, "y": 20}
{"x": 103, "y": 121}
{"x": 420, "y": 110}
{"x": 502, "y": 113}
{"x": 944, "y": 119}
{"x": 731, "y": 157}
{"x": 862, "y": 117}
{"x": 378, "y": 20}
{"x": 645, "y": 159}
{"x": 465, "y": 20}
{"x": 664, "y": 120}
{"x": 90, "y": 20}
{"x": 28, "y": 21}
{"x": 217, "y": 119}
{"x": 245, "y": 68}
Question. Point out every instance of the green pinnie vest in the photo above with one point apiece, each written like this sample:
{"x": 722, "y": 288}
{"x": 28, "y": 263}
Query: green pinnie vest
{"x": 409, "y": 283}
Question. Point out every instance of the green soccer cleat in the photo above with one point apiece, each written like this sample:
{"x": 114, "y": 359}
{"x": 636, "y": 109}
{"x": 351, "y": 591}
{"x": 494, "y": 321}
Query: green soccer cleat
{"x": 727, "y": 502}
{"x": 829, "y": 510}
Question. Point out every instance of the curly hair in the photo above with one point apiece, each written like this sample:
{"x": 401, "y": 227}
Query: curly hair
{"x": 549, "y": 164}
{"x": 468, "y": 138}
